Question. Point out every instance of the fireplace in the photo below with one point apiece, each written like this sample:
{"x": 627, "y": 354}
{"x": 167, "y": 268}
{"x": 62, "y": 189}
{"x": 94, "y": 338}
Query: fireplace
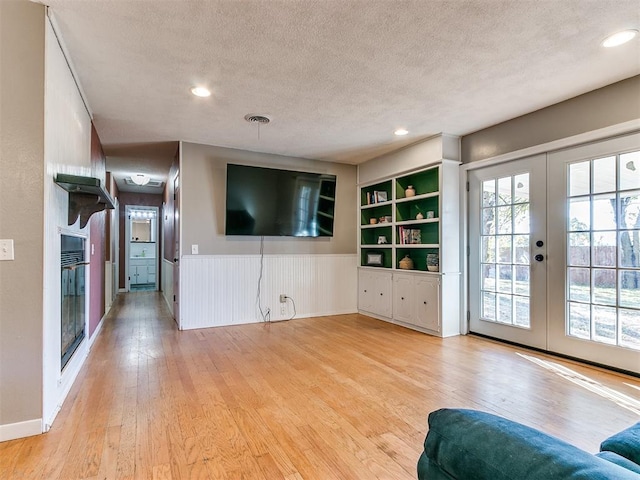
{"x": 73, "y": 295}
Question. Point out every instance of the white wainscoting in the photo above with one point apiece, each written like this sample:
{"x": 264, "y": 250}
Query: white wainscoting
{"x": 219, "y": 290}
{"x": 108, "y": 285}
{"x": 167, "y": 282}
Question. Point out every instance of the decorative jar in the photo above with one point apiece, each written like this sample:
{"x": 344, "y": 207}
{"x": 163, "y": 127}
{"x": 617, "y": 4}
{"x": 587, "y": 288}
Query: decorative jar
{"x": 406, "y": 263}
{"x": 433, "y": 262}
{"x": 410, "y": 191}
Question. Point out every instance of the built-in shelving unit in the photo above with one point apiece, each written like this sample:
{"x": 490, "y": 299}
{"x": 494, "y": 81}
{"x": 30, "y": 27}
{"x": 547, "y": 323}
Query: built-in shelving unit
{"x": 411, "y": 224}
{"x": 413, "y": 214}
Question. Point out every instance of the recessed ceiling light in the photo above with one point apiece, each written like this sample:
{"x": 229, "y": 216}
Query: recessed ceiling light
{"x": 401, "y": 131}
{"x": 619, "y": 38}
{"x": 200, "y": 91}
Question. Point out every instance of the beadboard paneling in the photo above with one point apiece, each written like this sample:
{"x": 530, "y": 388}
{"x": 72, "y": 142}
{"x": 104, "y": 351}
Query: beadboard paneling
{"x": 167, "y": 283}
{"x": 217, "y": 290}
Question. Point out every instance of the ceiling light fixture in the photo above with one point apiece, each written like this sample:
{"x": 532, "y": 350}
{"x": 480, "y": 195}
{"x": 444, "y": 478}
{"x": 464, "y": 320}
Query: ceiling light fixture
{"x": 140, "y": 179}
{"x": 401, "y": 131}
{"x": 619, "y": 38}
{"x": 201, "y": 92}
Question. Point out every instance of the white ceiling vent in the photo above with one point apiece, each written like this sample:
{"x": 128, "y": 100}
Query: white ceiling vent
{"x": 152, "y": 183}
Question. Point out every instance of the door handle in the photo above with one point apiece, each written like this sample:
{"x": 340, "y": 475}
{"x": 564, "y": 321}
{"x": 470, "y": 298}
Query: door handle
{"x": 539, "y": 257}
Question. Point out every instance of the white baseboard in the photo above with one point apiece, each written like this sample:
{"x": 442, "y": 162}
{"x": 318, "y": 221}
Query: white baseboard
{"x": 122, "y": 290}
{"x": 12, "y": 431}
{"x": 96, "y": 332}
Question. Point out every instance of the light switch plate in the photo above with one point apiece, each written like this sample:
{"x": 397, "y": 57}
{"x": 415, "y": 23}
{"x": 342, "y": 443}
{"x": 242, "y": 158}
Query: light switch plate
{"x": 6, "y": 249}
{"x": 194, "y": 249}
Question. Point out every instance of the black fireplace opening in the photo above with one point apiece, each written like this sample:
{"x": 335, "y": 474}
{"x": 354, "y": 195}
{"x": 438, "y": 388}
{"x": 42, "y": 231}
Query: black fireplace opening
{"x": 73, "y": 295}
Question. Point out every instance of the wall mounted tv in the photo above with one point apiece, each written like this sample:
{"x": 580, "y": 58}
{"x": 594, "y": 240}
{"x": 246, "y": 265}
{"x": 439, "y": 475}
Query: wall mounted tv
{"x": 272, "y": 202}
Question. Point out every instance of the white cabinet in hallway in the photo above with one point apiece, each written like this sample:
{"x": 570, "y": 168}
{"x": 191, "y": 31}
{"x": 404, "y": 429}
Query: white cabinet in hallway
{"x": 142, "y": 271}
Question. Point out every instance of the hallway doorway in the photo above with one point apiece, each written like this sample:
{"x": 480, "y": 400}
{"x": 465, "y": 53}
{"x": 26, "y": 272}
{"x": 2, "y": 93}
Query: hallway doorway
{"x": 141, "y": 248}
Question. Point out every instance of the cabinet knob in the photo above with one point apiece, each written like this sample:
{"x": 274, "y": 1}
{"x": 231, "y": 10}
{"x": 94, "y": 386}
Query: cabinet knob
{"x": 401, "y": 298}
{"x": 424, "y": 303}
{"x": 380, "y": 293}
{"x": 365, "y": 291}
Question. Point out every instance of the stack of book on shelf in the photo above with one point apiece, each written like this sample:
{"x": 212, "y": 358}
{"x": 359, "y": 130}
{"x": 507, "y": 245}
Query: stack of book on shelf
{"x": 376, "y": 197}
{"x": 409, "y": 236}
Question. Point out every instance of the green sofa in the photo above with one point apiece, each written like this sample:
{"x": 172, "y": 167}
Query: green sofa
{"x": 468, "y": 444}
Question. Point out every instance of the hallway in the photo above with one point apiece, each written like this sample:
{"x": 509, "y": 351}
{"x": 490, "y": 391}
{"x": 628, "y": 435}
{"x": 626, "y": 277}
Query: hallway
{"x": 342, "y": 397}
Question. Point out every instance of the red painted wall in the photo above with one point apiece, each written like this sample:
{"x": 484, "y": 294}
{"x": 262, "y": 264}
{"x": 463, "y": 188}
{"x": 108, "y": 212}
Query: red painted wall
{"x": 169, "y": 211}
{"x": 97, "y": 235}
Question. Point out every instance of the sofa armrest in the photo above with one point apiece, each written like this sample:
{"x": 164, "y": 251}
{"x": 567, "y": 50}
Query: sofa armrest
{"x": 625, "y": 443}
{"x": 467, "y": 444}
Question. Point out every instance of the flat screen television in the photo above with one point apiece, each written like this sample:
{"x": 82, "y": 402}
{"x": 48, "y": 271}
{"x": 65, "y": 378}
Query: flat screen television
{"x": 272, "y": 202}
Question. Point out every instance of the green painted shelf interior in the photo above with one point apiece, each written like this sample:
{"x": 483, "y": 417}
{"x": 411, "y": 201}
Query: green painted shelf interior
{"x": 377, "y": 212}
{"x": 429, "y": 232}
{"x": 369, "y": 236}
{"x": 386, "y": 256}
{"x": 418, "y": 255}
{"x": 427, "y": 181}
{"x": 409, "y": 209}
{"x": 379, "y": 187}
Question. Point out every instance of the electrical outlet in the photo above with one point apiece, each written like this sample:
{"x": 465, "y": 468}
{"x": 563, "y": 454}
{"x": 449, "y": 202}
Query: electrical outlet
{"x": 283, "y": 298}
{"x": 194, "y": 249}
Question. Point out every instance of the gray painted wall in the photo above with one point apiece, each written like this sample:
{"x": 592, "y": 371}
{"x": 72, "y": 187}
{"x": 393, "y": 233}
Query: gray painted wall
{"x": 21, "y": 208}
{"x": 203, "y": 195}
{"x": 611, "y": 105}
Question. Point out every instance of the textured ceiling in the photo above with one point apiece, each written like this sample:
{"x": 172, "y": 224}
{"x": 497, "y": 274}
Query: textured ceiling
{"x": 336, "y": 77}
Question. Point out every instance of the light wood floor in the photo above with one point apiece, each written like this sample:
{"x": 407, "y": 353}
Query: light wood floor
{"x": 344, "y": 397}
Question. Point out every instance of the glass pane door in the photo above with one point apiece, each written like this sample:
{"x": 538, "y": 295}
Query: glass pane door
{"x": 595, "y": 245}
{"x": 603, "y": 250}
{"x": 507, "y": 235}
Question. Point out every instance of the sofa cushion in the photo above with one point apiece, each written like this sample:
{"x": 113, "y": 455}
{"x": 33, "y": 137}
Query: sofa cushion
{"x": 625, "y": 443}
{"x": 468, "y": 444}
{"x": 619, "y": 460}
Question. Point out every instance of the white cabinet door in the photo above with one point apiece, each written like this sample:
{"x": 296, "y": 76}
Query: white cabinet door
{"x": 151, "y": 272}
{"x": 374, "y": 292}
{"x": 403, "y": 298}
{"x": 427, "y": 302}
{"x": 382, "y": 293}
{"x": 366, "y": 286}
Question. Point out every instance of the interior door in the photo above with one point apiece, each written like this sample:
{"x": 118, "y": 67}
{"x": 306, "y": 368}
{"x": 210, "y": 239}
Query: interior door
{"x": 176, "y": 250}
{"x": 594, "y": 252}
{"x": 507, "y": 248}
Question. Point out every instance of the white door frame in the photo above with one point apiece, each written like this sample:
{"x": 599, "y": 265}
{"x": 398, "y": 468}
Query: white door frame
{"x": 575, "y": 140}
{"x": 605, "y": 133}
{"x": 127, "y": 234}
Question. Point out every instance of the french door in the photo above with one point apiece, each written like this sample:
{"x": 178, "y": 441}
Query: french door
{"x": 554, "y": 259}
{"x": 507, "y": 265}
{"x": 594, "y": 252}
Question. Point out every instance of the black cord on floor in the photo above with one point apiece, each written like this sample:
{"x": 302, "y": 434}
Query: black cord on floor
{"x": 266, "y": 317}
{"x": 294, "y": 307}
